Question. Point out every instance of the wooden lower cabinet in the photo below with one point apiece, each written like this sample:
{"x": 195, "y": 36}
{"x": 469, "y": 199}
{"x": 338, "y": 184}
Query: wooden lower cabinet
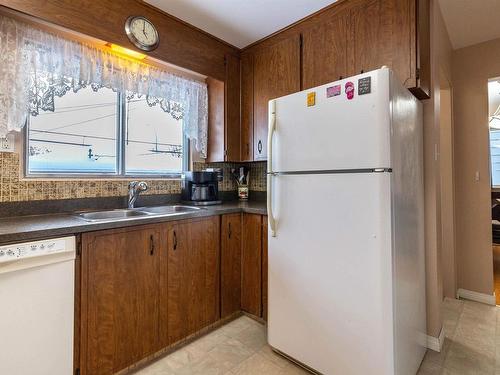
{"x": 230, "y": 264}
{"x": 119, "y": 298}
{"x": 144, "y": 288}
{"x": 189, "y": 280}
{"x": 252, "y": 265}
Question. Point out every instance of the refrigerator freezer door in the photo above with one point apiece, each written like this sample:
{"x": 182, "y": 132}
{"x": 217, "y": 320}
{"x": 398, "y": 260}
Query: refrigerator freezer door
{"x": 330, "y": 272}
{"x": 336, "y": 132}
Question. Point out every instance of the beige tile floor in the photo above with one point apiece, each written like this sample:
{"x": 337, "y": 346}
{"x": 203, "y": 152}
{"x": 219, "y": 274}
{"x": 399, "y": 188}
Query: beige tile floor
{"x": 472, "y": 343}
{"x": 472, "y": 346}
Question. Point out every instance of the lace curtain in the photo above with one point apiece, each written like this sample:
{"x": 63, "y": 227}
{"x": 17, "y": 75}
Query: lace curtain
{"x": 36, "y": 66}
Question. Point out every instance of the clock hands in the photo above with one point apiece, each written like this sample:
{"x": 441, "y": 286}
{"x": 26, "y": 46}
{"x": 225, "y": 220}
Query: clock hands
{"x": 144, "y": 29}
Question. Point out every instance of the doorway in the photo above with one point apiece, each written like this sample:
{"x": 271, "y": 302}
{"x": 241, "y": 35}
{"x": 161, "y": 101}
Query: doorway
{"x": 494, "y": 132}
{"x": 447, "y": 192}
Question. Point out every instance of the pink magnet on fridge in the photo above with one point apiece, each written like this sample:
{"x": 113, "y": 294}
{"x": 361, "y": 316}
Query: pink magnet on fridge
{"x": 349, "y": 90}
{"x": 333, "y": 91}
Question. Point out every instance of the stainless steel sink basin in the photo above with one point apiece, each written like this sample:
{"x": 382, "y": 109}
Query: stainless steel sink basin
{"x": 111, "y": 215}
{"x": 166, "y": 210}
{"x": 128, "y": 214}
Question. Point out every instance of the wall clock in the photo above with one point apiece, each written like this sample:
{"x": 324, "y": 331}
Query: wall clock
{"x": 142, "y": 33}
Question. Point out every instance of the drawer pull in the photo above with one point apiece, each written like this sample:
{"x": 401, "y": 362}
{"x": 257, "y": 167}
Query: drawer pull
{"x": 152, "y": 245}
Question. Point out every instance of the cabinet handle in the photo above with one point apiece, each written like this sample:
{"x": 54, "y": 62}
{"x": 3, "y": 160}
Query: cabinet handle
{"x": 229, "y": 230}
{"x": 259, "y": 146}
{"x": 248, "y": 150}
{"x": 151, "y": 245}
{"x": 175, "y": 240}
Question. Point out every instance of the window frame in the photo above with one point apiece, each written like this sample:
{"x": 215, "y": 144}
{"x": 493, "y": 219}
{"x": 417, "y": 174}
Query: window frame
{"x": 120, "y": 155}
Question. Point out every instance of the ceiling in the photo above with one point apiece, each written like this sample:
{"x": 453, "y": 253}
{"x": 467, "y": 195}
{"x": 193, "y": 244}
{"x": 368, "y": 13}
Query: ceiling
{"x": 471, "y": 21}
{"x": 240, "y": 22}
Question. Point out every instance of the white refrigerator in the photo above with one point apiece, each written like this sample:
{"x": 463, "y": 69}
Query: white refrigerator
{"x": 346, "y": 246}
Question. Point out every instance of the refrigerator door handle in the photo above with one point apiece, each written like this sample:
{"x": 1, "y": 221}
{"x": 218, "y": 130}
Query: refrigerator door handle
{"x": 272, "y": 128}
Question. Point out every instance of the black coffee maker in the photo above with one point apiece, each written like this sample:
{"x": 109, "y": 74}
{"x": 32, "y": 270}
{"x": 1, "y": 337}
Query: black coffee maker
{"x": 200, "y": 188}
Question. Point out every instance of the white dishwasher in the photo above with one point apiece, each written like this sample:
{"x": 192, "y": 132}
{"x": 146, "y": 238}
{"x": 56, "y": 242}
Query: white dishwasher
{"x": 37, "y": 307}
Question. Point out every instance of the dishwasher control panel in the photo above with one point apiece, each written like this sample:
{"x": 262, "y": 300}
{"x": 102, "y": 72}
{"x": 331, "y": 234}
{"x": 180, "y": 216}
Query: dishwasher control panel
{"x": 32, "y": 249}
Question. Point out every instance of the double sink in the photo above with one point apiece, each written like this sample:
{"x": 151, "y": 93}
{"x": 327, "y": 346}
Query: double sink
{"x": 134, "y": 213}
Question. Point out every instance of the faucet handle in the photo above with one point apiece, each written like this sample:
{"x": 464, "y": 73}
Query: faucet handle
{"x": 142, "y": 186}
{"x": 132, "y": 184}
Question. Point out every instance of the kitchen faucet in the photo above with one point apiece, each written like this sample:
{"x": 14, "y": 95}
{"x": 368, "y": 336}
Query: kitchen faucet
{"x": 134, "y": 189}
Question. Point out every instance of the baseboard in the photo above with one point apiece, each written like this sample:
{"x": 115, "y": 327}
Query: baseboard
{"x": 436, "y": 343}
{"x": 488, "y": 299}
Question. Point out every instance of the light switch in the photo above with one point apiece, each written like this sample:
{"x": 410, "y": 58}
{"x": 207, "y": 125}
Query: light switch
{"x": 478, "y": 176}
{"x": 7, "y": 144}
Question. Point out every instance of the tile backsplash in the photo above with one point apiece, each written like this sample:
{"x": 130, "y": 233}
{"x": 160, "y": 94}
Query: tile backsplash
{"x": 13, "y": 188}
{"x": 257, "y": 180}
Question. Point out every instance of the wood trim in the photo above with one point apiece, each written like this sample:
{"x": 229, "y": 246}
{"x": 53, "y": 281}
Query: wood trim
{"x": 435, "y": 343}
{"x": 77, "y": 317}
{"x": 488, "y": 299}
{"x": 82, "y": 363}
{"x": 216, "y": 120}
{"x": 180, "y": 43}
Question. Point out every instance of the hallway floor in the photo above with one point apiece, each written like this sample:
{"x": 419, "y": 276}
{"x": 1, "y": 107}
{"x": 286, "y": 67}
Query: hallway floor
{"x": 472, "y": 346}
{"x": 496, "y": 271}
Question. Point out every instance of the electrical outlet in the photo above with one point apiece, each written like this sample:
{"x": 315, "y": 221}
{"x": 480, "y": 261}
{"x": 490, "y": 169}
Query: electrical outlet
{"x": 7, "y": 143}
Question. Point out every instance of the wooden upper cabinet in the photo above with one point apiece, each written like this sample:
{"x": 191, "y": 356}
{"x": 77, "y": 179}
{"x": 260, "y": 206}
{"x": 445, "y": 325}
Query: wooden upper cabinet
{"x": 119, "y": 298}
{"x": 421, "y": 83}
{"x": 232, "y": 106}
{"x": 224, "y": 114}
{"x": 216, "y": 132}
{"x": 230, "y": 264}
{"x": 246, "y": 107}
{"x": 276, "y": 73}
{"x": 388, "y": 32}
{"x": 189, "y": 299}
{"x": 324, "y": 51}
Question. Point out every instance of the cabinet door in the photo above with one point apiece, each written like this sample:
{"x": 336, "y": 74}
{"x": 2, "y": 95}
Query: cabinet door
{"x": 251, "y": 264}
{"x": 422, "y": 19}
{"x": 247, "y": 107}
{"x": 232, "y": 106}
{"x": 324, "y": 51}
{"x": 264, "y": 267}
{"x": 381, "y": 31}
{"x": 120, "y": 298}
{"x": 276, "y": 73}
{"x": 190, "y": 278}
{"x": 230, "y": 264}
{"x": 216, "y": 115}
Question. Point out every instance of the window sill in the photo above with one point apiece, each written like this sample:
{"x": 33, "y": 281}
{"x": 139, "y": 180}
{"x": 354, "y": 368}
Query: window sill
{"x": 34, "y": 178}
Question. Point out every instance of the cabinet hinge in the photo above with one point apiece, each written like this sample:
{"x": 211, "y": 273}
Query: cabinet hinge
{"x": 225, "y": 152}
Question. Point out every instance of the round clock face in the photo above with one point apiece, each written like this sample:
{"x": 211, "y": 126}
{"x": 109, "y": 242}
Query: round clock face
{"x": 142, "y": 33}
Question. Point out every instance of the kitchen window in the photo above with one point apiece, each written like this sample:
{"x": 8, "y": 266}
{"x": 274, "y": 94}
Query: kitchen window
{"x": 105, "y": 133}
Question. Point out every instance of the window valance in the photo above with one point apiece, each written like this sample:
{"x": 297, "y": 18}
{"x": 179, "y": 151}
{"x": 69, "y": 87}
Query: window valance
{"x": 36, "y": 66}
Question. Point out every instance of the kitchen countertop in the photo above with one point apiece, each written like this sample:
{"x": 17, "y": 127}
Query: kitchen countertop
{"x": 27, "y": 228}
